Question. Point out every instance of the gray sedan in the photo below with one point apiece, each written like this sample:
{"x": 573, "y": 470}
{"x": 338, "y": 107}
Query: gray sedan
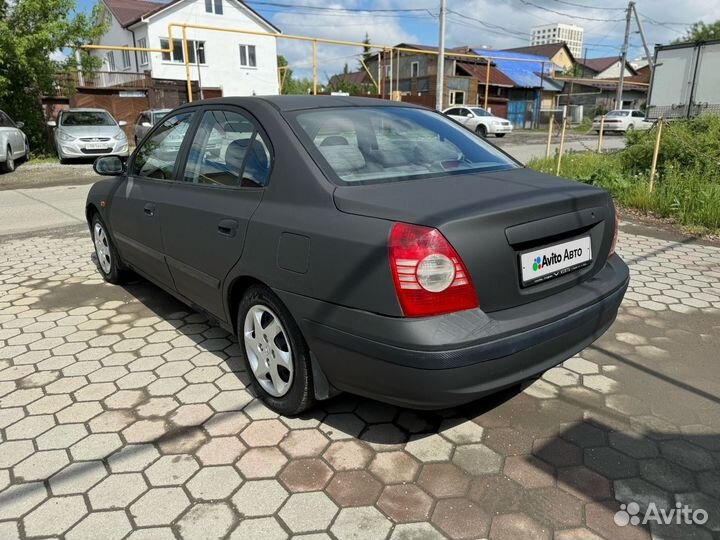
{"x": 361, "y": 245}
{"x": 83, "y": 133}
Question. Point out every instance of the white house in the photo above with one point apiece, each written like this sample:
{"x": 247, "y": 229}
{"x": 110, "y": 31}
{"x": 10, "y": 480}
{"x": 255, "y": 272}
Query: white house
{"x": 226, "y": 63}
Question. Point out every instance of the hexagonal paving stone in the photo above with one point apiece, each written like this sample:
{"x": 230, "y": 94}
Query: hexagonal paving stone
{"x": 159, "y": 506}
{"x": 478, "y": 459}
{"x": 18, "y": 499}
{"x": 308, "y": 512}
{"x": 429, "y": 448}
{"x": 610, "y": 463}
{"x": 133, "y": 458}
{"x": 416, "y": 531}
{"x": 514, "y": 526}
{"x": 394, "y": 467}
{"x": 30, "y": 427}
{"x": 106, "y": 525}
{"x": 40, "y": 465}
{"x": 261, "y": 462}
{"x": 266, "y": 528}
{"x": 443, "y": 480}
{"x": 77, "y": 478}
{"x": 309, "y": 474}
{"x": 405, "y": 503}
{"x": 354, "y": 488}
{"x": 61, "y": 436}
{"x": 221, "y": 450}
{"x": 12, "y": 452}
{"x": 117, "y": 491}
{"x": 348, "y": 455}
{"x": 304, "y": 443}
{"x": 95, "y": 446}
{"x": 259, "y": 498}
{"x": 529, "y": 471}
{"x": 213, "y": 483}
{"x": 461, "y": 519}
{"x": 55, "y": 516}
{"x": 264, "y": 433}
{"x": 360, "y": 523}
{"x": 206, "y": 520}
{"x": 172, "y": 470}
{"x": 144, "y": 431}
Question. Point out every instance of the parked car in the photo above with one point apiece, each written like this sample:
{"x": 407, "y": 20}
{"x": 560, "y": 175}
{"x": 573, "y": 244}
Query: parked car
{"x": 146, "y": 120}
{"x": 83, "y": 133}
{"x": 622, "y": 120}
{"x": 361, "y": 245}
{"x": 480, "y": 121}
{"x": 13, "y": 143}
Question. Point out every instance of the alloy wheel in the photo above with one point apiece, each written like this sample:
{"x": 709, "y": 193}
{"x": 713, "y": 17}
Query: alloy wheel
{"x": 102, "y": 248}
{"x": 268, "y": 350}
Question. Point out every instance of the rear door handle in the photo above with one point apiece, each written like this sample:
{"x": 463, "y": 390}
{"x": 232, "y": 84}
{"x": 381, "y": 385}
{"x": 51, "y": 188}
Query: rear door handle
{"x": 227, "y": 227}
{"x": 149, "y": 209}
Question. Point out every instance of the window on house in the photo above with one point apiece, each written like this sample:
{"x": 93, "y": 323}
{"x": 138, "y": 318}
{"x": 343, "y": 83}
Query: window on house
{"x": 457, "y": 97}
{"x": 214, "y": 6}
{"x": 414, "y": 69}
{"x": 196, "y": 51}
{"x": 126, "y": 58}
{"x": 142, "y": 43}
{"x": 110, "y": 59}
{"x": 247, "y": 56}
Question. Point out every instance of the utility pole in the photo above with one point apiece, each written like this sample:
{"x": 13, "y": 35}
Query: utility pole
{"x": 623, "y": 61}
{"x": 439, "y": 90}
{"x": 644, "y": 41}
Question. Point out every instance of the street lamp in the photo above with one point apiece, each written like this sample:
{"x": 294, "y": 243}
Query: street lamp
{"x": 198, "y": 48}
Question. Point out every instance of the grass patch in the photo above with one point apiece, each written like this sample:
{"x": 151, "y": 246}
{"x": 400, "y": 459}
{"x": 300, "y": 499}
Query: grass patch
{"x": 687, "y": 186}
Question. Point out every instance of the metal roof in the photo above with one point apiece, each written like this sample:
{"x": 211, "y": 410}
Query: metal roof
{"x": 523, "y": 69}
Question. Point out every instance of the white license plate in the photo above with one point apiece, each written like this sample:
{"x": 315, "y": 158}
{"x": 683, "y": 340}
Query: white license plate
{"x": 96, "y": 145}
{"x": 554, "y": 261}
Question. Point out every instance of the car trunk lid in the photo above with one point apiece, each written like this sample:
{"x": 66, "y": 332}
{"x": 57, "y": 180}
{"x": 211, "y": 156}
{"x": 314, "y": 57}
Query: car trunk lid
{"x": 493, "y": 218}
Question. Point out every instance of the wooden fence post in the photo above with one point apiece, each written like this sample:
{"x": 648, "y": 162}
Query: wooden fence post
{"x": 653, "y": 168}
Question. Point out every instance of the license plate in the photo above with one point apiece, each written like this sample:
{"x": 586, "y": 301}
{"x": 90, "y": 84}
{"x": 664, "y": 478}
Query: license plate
{"x": 554, "y": 261}
{"x": 95, "y": 146}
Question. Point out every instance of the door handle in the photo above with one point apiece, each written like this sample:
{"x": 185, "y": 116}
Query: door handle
{"x": 149, "y": 209}
{"x": 227, "y": 227}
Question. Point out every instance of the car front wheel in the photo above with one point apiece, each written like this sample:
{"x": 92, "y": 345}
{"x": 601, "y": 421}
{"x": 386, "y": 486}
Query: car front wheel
{"x": 9, "y": 165}
{"x": 274, "y": 352}
{"x": 481, "y": 130}
{"x": 108, "y": 261}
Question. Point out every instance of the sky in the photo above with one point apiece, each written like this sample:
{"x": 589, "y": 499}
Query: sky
{"x": 496, "y": 24}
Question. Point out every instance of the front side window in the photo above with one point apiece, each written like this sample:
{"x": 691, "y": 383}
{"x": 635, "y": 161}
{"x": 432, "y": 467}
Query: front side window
{"x": 247, "y": 56}
{"x": 228, "y": 151}
{"x": 86, "y": 118}
{"x": 157, "y": 156}
{"x": 384, "y": 144}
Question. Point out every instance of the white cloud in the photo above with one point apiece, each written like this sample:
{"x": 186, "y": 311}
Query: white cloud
{"x": 58, "y": 56}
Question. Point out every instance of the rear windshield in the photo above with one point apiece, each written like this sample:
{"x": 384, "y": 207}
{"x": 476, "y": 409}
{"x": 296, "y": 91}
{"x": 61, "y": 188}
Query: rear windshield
{"x": 384, "y": 144}
{"x": 618, "y": 113}
{"x": 87, "y": 118}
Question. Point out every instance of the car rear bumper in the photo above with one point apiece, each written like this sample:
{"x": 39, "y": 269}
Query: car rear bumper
{"x": 609, "y": 127}
{"x": 452, "y": 359}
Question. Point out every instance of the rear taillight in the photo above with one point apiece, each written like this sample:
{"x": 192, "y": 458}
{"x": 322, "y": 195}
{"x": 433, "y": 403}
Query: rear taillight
{"x": 430, "y": 278}
{"x": 615, "y": 238}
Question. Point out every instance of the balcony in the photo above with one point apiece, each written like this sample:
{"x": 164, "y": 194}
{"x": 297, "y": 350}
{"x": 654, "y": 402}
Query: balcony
{"x": 68, "y": 83}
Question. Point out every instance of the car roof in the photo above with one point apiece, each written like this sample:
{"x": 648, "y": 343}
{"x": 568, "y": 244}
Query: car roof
{"x": 296, "y": 103}
{"x": 85, "y": 109}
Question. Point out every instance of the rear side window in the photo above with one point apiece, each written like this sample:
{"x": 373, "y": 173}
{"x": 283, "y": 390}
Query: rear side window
{"x": 157, "y": 155}
{"x": 385, "y": 144}
{"x": 228, "y": 151}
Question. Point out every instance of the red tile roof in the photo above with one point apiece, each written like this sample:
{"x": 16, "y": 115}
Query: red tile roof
{"x": 479, "y": 71}
{"x": 130, "y": 11}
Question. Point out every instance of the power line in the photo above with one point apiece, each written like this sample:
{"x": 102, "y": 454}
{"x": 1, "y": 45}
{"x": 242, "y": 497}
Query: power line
{"x": 338, "y": 10}
{"x": 589, "y": 7}
{"x": 568, "y": 15}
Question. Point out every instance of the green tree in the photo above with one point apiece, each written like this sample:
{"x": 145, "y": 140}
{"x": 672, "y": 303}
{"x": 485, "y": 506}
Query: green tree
{"x": 30, "y": 31}
{"x": 367, "y": 51}
{"x": 701, "y": 31}
{"x": 291, "y": 85}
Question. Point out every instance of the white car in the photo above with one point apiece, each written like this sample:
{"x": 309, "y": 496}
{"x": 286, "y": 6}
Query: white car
{"x": 13, "y": 143}
{"x": 622, "y": 120}
{"x": 85, "y": 133}
{"x": 480, "y": 121}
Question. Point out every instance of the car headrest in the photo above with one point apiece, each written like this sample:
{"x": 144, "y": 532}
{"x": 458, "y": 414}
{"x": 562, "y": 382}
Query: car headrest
{"x": 334, "y": 140}
{"x": 343, "y": 159}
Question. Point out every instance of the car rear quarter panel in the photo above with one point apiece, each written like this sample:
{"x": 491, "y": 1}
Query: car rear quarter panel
{"x": 299, "y": 242}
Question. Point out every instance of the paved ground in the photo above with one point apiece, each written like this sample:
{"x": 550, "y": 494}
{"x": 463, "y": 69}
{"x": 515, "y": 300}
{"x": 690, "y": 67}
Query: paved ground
{"x": 125, "y": 415}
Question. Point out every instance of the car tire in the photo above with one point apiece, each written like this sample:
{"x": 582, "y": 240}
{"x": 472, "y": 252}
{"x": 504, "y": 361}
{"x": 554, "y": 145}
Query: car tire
{"x": 292, "y": 392}
{"x": 500, "y": 135}
{"x": 481, "y": 130}
{"x": 629, "y": 128}
{"x": 8, "y": 165}
{"x": 27, "y": 152}
{"x": 107, "y": 259}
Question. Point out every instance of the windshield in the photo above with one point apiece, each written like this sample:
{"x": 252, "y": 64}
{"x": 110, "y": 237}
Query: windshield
{"x": 159, "y": 115}
{"x": 86, "y": 118}
{"x": 385, "y": 144}
{"x": 480, "y": 112}
{"x": 618, "y": 113}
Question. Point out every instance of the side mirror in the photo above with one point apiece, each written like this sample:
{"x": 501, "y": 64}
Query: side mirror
{"x": 146, "y": 124}
{"x": 52, "y": 123}
{"x": 122, "y": 123}
{"x": 109, "y": 166}
{"x": 20, "y": 125}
